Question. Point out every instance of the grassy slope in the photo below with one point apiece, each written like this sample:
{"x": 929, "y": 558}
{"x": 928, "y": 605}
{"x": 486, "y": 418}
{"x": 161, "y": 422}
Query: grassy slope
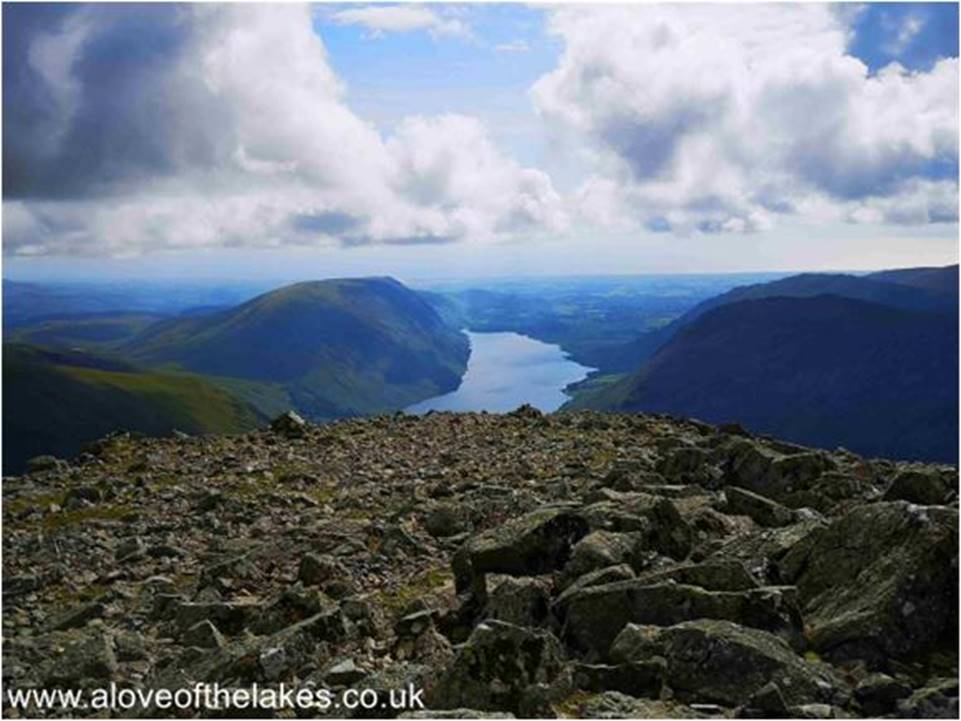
{"x": 56, "y": 402}
{"x": 825, "y": 371}
{"x": 336, "y": 348}
{"x": 93, "y": 332}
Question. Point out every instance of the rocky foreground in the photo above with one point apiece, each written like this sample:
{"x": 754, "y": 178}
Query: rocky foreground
{"x": 576, "y": 565}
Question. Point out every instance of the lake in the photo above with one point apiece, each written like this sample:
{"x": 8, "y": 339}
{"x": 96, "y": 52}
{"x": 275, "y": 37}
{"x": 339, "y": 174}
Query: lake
{"x": 506, "y": 370}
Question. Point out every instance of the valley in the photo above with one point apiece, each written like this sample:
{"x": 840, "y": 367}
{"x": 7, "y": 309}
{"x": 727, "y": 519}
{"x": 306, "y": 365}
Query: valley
{"x": 868, "y": 362}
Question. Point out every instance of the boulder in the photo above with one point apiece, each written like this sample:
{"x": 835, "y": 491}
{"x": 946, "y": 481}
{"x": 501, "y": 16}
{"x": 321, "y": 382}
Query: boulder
{"x": 593, "y": 617}
{"x": 534, "y": 544}
{"x": 712, "y": 575}
{"x": 879, "y": 583}
{"x": 445, "y": 519}
{"x": 660, "y": 524}
{"x": 721, "y": 662}
{"x": 928, "y": 486}
{"x": 495, "y": 667}
{"x": 879, "y": 693}
{"x": 89, "y": 659}
{"x": 639, "y": 678}
{"x": 316, "y": 569}
{"x": 617, "y": 705}
{"x": 937, "y": 699}
{"x": 289, "y": 424}
{"x": 40, "y": 464}
{"x": 521, "y": 601}
{"x": 202, "y": 634}
{"x": 762, "y": 510}
{"x": 601, "y": 549}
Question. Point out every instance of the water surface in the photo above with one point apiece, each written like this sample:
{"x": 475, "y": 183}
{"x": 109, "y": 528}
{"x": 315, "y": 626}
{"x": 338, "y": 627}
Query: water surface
{"x": 506, "y": 370}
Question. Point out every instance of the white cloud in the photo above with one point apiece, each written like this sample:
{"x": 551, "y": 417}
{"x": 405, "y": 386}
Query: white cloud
{"x": 905, "y": 34}
{"x": 282, "y": 160}
{"x": 706, "y": 117}
{"x": 380, "y": 19}
{"x": 514, "y": 46}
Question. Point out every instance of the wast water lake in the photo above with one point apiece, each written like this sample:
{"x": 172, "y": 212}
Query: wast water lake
{"x": 506, "y": 370}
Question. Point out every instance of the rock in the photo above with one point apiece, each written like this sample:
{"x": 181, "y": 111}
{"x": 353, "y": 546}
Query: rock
{"x": 231, "y": 618}
{"x": 77, "y": 616}
{"x": 130, "y": 646}
{"x": 879, "y": 583}
{"x": 761, "y": 550}
{"x": 599, "y": 577}
{"x": 80, "y": 496}
{"x": 763, "y": 510}
{"x": 520, "y": 601}
{"x": 640, "y": 678}
{"x": 815, "y": 711}
{"x": 938, "y": 699}
{"x": 601, "y": 549}
{"x": 711, "y": 575}
{"x": 496, "y": 666}
{"x": 202, "y": 634}
{"x": 456, "y": 713}
{"x": 926, "y": 487}
{"x": 344, "y": 673}
{"x": 617, "y": 705}
{"x": 765, "y": 703}
{"x": 91, "y": 658}
{"x": 41, "y": 464}
{"x": 316, "y": 570}
{"x": 445, "y": 520}
{"x": 130, "y": 549}
{"x": 414, "y": 624}
{"x": 879, "y": 694}
{"x": 289, "y": 424}
{"x": 721, "y": 662}
{"x": 773, "y": 474}
{"x": 594, "y": 616}
{"x": 537, "y": 543}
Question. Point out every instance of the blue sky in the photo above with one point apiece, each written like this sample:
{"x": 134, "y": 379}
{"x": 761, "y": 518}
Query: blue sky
{"x": 462, "y": 140}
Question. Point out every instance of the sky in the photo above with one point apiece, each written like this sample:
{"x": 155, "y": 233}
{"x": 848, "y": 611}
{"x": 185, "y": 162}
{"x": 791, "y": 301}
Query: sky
{"x": 443, "y": 141}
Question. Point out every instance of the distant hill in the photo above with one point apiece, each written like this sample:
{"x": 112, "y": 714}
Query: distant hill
{"x": 56, "y": 401}
{"x": 939, "y": 280}
{"x": 821, "y": 370}
{"x": 932, "y": 289}
{"x": 336, "y": 347}
{"x": 87, "y": 331}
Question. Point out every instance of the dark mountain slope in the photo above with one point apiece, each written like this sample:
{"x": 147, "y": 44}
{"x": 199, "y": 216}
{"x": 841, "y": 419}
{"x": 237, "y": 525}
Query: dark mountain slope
{"x": 338, "y": 347}
{"x": 942, "y": 280}
{"x": 55, "y": 402}
{"x": 932, "y": 289}
{"x": 825, "y": 371}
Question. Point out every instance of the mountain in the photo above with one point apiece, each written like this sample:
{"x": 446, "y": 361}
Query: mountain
{"x": 938, "y": 280}
{"x": 931, "y": 289}
{"x": 824, "y": 371}
{"x": 335, "y": 347}
{"x": 54, "y": 402}
{"x": 95, "y": 332}
{"x": 506, "y": 565}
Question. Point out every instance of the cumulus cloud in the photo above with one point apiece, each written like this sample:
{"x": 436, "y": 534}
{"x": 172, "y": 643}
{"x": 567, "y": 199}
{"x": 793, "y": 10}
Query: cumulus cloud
{"x": 713, "y": 119}
{"x": 224, "y": 125}
{"x": 381, "y": 19}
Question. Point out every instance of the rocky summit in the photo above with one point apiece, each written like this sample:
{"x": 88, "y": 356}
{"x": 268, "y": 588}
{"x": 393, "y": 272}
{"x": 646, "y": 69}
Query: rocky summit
{"x": 571, "y": 565}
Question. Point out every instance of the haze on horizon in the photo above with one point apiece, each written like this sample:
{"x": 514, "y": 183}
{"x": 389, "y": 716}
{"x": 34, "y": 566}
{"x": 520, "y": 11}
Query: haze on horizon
{"x": 445, "y": 141}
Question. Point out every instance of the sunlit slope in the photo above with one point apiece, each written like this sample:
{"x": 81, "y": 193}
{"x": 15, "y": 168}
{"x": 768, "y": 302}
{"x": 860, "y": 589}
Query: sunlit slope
{"x": 337, "y": 347}
{"x": 54, "y": 402}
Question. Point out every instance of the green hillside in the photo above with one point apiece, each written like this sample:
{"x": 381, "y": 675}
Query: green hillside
{"x": 55, "y": 402}
{"x": 823, "y": 371}
{"x": 96, "y": 332}
{"x": 335, "y": 347}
